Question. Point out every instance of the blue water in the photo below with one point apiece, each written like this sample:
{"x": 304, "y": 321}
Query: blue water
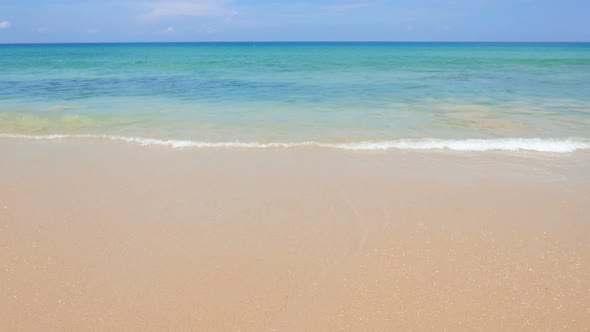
{"x": 332, "y": 94}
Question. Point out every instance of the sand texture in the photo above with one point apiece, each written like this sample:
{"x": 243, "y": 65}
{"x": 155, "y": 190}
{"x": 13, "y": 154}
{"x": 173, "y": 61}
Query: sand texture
{"x": 108, "y": 236}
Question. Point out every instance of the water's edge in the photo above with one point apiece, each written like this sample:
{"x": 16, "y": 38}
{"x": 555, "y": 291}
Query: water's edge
{"x": 500, "y": 144}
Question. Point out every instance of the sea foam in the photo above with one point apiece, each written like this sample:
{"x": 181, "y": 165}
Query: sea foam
{"x": 499, "y": 144}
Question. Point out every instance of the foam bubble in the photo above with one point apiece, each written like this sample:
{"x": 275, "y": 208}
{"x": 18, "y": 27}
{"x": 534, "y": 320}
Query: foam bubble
{"x": 500, "y": 144}
{"x": 505, "y": 144}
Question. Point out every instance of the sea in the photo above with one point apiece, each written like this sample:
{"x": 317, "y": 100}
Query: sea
{"x": 281, "y": 95}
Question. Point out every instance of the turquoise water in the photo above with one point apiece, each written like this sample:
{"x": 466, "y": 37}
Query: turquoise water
{"x": 355, "y": 95}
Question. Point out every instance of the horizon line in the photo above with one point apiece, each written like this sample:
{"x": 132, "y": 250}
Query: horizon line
{"x": 294, "y": 41}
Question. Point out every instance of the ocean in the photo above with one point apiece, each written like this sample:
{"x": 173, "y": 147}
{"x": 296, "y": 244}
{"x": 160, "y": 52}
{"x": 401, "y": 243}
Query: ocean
{"x": 357, "y": 96}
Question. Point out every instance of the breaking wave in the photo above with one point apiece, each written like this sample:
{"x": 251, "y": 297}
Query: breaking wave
{"x": 499, "y": 144}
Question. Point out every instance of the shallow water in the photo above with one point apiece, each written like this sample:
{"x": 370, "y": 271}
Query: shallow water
{"x": 371, "y": 95}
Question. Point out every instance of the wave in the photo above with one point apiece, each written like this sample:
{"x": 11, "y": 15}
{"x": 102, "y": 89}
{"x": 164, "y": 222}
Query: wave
{"x": 499, "y": 144}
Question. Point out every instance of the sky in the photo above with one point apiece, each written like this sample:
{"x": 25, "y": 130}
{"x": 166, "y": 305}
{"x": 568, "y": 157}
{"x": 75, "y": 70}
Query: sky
{"x": 59, "y": 21}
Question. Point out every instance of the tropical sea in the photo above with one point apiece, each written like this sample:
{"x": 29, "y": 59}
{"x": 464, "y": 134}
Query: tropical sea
{"x": 360, "y": 96}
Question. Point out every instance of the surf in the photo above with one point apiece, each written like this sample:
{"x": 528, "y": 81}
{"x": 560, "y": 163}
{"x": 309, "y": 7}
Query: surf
{"x": 476, "y": 145}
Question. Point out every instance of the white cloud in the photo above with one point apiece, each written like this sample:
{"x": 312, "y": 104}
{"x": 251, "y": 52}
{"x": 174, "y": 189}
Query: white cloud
{"x": 4, "y": 24}
{"x": 42, "y": 30}
{"x": 170, "y": 29}
{"x": 162, "y": 9}
{"x": 92, "y": 31}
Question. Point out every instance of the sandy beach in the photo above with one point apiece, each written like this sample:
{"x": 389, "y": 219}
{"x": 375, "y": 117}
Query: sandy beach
{"x": 108, "y": 236}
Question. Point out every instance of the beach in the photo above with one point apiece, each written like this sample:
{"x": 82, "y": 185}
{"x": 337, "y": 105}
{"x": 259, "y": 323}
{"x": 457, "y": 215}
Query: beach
{"x": 99, "y": 235}
{"x": 295, "y": 186}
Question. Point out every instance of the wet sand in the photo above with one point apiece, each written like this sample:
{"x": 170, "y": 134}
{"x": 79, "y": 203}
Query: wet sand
{"x": 99, "y": 236}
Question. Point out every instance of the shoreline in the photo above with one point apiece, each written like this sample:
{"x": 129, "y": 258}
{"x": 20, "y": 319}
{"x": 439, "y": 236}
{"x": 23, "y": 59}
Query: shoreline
{"x": 118, "y": 237}
{"x": 510, "y": 144}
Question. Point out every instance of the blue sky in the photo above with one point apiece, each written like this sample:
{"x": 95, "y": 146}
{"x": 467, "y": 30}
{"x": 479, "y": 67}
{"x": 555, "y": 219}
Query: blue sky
{"x": 23, "y": 21}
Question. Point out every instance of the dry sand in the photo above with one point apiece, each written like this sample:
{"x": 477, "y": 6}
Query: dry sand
{"x": 99, "y": 236}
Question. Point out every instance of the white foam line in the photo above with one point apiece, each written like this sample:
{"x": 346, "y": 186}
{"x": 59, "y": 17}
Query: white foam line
{"x": 500, "y": 144}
